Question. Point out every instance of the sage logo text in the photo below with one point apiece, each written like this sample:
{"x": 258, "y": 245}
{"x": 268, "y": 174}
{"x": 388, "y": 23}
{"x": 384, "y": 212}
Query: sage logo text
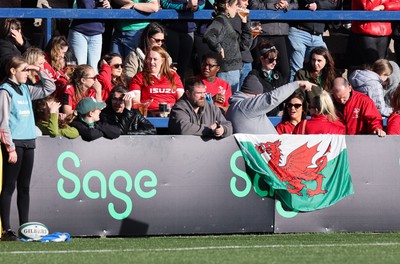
{"x": 144, "y": 178}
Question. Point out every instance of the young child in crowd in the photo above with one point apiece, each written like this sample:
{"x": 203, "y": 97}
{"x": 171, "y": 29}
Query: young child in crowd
{"x": 50, "y": 121}
{"x": 88, "y": 124}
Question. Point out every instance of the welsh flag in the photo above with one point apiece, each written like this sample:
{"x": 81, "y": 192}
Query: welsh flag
{"x": 307, "y": 172}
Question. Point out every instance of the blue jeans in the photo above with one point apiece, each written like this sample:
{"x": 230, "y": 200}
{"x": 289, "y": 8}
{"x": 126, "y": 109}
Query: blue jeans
{"x": 123, "y": 42}
{"x": 232, "y": 77}
{"x": 246, "y": 69}
{"x": 301, "y": 43}
{"x": 87, "y": 49}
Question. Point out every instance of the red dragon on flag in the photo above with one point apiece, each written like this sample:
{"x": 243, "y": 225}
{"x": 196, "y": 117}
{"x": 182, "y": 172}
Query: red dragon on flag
{"x": 306, "y": 172}
{"x": 297, "y": 167}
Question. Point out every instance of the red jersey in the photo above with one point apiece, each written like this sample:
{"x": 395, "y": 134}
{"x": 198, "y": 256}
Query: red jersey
{"x": 160, "y": 90}
{"x": 59, "y": 78}
{"x": 216, "y": 87}
{"x": 105, "y": 80}
{"x": 285, "y": 128}
{"x": 320, "y": 124}
{"x": 360, "y": 114}
{"x": 393, "y": 124}
{"x": 69, "y": 96}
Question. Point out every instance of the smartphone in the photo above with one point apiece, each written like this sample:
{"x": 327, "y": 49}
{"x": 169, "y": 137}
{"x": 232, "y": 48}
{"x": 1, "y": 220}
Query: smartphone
{"x": 174, "y": 65}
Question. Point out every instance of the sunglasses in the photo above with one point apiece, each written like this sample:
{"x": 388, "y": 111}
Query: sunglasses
{"x": 270, "y": 60}
{"x": 116, "y": 66}
{"x": 211, "y": 66}
{"x": 290, "y": 105}
{"x": 158, "y": 40}
{"x": 93, "y": 78}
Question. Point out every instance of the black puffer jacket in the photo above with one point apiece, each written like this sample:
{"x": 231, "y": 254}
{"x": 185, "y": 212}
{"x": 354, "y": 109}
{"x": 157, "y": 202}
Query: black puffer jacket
{"x": 130, "y": 122}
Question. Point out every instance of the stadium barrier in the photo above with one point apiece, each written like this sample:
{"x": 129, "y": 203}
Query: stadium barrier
{"x": 50, "y": 14}
{"x": 163, "y": 185}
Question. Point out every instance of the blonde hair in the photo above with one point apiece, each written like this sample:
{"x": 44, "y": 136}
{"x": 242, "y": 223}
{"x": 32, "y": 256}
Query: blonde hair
{"x": 31, "y": 55}
{"x": 324, "y": 104}
{"x": 382, "y": 66}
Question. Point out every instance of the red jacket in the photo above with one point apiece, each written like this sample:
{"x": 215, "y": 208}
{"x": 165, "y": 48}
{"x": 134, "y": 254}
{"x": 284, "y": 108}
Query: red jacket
{"x": 105, "y": 79}
{"x": 393, "y": 124}
{"x": 285, "y": 128}
{"x": 379, "y": 28}
{"x": 320, "y": 124}
{"x": 359, "y": 114}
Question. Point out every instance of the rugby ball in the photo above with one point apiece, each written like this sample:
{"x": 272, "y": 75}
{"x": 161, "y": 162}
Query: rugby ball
{"x": 32, "y": 230}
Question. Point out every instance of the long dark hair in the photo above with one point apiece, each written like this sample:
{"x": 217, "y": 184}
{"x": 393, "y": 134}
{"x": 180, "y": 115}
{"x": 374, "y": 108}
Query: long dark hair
{"x": 328, "y": 72}
{"x": 149, "y": 31}
{"x": 120, "y": 80}
{"x": 299, "y": 95}
{"x": 7, "y": 25}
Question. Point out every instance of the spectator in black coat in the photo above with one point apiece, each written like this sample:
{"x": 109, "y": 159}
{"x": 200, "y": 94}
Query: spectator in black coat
{"x": 119, "y": 113}
{"x": 12, "y": 42}
{"x": 88, "y": 119}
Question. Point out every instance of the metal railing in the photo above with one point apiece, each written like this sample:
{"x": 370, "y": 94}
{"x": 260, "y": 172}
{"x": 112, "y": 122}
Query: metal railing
{"x": 49, "y": 14}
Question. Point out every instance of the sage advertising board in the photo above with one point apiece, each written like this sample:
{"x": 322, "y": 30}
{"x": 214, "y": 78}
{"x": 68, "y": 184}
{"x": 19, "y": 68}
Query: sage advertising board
{"x": 156, "y": 185}
{"x": 145, "y": 185}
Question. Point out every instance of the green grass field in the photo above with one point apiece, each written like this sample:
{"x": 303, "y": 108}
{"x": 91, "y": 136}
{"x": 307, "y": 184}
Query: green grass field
{"x": 278, "y": 248}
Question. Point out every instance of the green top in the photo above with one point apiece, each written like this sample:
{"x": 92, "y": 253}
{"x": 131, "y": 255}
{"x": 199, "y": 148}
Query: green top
{"x": 134, "y": 24}
{"x": 51, "y": 128}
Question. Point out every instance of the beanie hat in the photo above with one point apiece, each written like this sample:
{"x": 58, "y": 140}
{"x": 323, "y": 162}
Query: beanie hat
{"x": 88, "y": 104}
{"x": 252, "y": 85}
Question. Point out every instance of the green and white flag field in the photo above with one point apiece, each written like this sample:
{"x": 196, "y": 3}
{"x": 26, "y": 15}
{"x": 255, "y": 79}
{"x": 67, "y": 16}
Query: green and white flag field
{"x": 307, "y": 172}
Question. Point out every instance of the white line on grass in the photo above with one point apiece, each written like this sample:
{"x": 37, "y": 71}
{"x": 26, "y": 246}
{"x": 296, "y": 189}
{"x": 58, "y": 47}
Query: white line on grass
{"x": 197, "y": 248}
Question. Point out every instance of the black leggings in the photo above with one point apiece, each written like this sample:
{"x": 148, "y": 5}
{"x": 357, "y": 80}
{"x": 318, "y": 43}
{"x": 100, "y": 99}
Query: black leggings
{"x": 18, "y": 174}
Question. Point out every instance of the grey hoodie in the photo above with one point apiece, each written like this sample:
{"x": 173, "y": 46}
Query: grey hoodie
{"x": 248, "y": 113}
{"x": 369, "y": 83}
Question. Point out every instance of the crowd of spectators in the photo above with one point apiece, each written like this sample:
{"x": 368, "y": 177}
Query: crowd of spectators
{"x": 149, "y": 62}
{"x": 100, "y": 79}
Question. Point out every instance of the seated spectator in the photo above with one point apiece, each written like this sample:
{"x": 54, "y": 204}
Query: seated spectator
{"x": 50, "y": 121}
{"x": 293, "y": 113}
{"x": 157, "y": 82}
{"x": 269, "y": 77}
{"x": 110, "y": 73}
{"x": 320, "y": 69}
{"x": 192, "y": 115}
{"x": 119, "y": 113}
{"x": 34, "y": 56}
{"x": 83, "y": 84}
{"x": 370, "y": 82}
{"x": 218, "y": 88}
{"x": 249, "y": 107}
{"x": 55, "y": 64}
{"x": 393, "y": 123}
{"x": 390, "y": 86}
{"x": 88, "y": 124}
{"x": 358, "y": 111}
{"x": 153, "y": 35}
{"x": 12, "y": 42}
{"x": 323, "y": 118}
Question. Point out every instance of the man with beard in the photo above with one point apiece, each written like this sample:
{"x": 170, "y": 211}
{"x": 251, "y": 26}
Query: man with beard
{"x": 192, "y": 115}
